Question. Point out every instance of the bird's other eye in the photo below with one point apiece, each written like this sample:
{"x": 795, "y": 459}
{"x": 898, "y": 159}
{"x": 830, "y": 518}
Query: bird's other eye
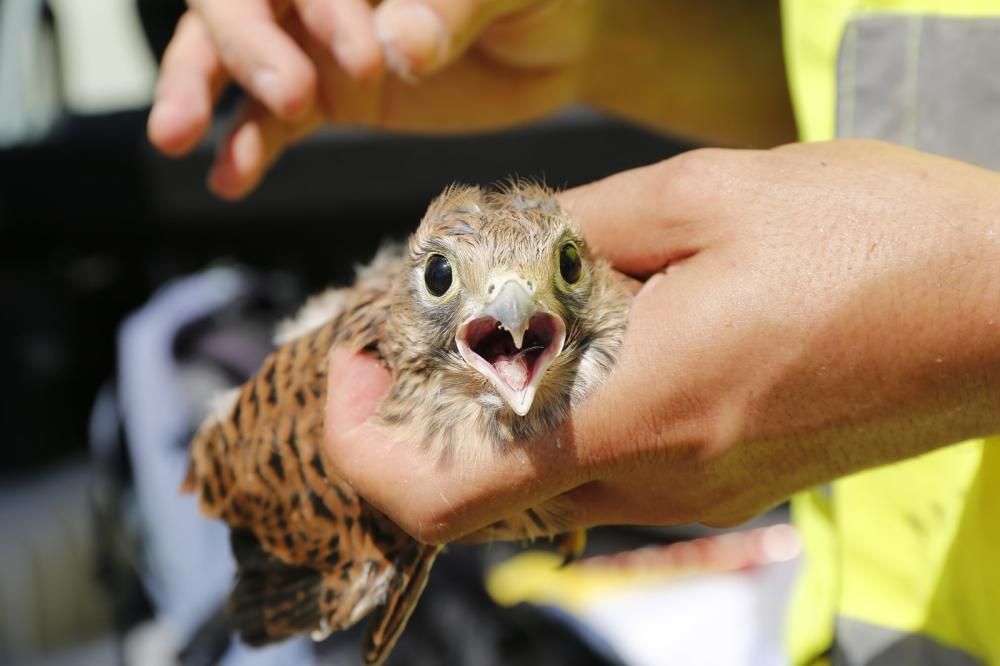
{"x": 569, "y": 263}
{"x": 437, "y": 275}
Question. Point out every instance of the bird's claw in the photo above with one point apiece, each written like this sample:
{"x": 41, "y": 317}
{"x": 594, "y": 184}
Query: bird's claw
{"x": 571, "y": 545}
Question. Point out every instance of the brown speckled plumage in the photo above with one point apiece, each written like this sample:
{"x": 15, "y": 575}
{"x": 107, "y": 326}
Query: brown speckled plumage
{"x": 313, "y": 556}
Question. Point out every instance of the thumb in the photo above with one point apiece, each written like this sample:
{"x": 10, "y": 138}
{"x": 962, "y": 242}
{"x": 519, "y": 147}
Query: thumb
{"x": 645, "y": 219}
{"x": 356, "y": 385}
{"x": 422, "y": 36}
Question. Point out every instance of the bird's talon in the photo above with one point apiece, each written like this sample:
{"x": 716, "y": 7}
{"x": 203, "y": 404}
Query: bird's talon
{"x": 571, "y": 545}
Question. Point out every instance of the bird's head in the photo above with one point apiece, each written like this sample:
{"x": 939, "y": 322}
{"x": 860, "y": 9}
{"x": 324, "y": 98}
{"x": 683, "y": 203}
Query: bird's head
{"x": 501, "y": 298}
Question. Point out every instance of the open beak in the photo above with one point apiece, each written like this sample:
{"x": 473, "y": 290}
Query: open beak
{"x": 511, "y": 342}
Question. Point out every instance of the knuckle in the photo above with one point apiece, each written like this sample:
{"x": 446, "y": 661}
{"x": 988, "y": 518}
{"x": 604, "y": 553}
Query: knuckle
{"x": 686, "y": 179}
{"x": 688, "y": 173}
{"x": 697, "y": 161}
{"x": 709, "y": 172}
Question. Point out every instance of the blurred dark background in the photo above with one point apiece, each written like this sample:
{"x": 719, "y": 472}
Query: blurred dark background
{"x": 94, "y": 223}
{"x": 92, "y": 219}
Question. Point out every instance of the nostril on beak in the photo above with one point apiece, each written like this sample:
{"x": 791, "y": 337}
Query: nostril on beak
{"x": 497, "y": 283}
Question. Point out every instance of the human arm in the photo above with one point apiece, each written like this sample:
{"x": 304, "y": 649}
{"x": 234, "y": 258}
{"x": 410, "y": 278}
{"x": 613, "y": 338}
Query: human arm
{"x": 814, "y": 310}
{"x": 708, "y": 70}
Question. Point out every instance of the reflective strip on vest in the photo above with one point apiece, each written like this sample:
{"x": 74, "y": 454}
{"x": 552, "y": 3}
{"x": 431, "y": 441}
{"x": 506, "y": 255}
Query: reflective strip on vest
{"x": 813, "y": 32}
{"x": 928, "y": 82}
{"x": 862, "y": 644}
{"x": 901, "y": 562}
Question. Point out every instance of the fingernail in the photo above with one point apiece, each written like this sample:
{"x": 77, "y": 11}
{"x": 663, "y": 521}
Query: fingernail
{"x": 413, "y": 38}
{"x": 267, "y": 86}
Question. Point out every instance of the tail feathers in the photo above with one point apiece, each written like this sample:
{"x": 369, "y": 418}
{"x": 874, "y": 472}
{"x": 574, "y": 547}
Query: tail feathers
{"x": 272, "y": 600}
{"x": 389, "y": 619}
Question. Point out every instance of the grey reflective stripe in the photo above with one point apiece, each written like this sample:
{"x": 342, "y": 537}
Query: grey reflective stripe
{"x": 930, "y": 82}
{"x": 860, "y": 644}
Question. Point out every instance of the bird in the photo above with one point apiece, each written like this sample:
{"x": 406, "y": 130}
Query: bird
{"x": 494, "y": 320}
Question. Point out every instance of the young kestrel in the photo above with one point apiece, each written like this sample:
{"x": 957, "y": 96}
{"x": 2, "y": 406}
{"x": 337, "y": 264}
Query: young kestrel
{"x": 494, "y": 321}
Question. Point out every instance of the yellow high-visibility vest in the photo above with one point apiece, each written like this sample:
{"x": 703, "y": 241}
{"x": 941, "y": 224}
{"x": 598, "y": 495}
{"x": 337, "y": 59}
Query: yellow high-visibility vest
{"x": 902, "y": 563}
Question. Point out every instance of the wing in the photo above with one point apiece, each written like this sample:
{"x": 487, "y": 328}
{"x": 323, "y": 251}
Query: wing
{"x": 312, "y": 556}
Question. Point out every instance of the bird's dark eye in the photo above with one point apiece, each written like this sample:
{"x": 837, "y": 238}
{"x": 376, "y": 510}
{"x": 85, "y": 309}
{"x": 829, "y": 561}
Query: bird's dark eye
{"x": 569, "y": 263}
{"x": 437, "y": 275}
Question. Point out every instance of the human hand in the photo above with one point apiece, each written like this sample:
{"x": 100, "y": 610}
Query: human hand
{"x": 813, "y": 310}
{"x": 486, "y": 64}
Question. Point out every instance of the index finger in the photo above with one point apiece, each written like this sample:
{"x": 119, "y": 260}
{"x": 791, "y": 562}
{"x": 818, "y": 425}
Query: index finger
{"x": 191, "y": 77}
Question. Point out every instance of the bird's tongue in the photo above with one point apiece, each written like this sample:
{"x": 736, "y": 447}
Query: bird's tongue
{"x": 514, "y": 370}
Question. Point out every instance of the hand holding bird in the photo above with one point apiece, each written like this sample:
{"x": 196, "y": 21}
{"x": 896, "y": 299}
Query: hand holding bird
{"x": 800, "y": 320}
{"x": 493, "y": 322}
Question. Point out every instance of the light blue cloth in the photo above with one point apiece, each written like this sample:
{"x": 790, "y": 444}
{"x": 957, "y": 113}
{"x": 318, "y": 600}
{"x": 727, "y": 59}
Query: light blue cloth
{"x": 189, "y": 563}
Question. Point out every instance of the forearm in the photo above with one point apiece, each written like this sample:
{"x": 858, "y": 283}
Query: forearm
{"x": 954, "y": 341}
{"x": 713, "y": 71}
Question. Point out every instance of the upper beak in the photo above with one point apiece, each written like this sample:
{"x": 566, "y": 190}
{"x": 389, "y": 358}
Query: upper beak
{"x": 512, "y": 307}
{"x": 511, "y": 342}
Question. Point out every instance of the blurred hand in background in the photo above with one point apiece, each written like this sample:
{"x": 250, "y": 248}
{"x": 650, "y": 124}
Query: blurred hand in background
{"x": 307, "y": 62}
{"x": 465, "y": 65}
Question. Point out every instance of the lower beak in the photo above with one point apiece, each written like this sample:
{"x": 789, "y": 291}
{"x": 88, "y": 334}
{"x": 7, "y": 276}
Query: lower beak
{"x": 511, "y": 342}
